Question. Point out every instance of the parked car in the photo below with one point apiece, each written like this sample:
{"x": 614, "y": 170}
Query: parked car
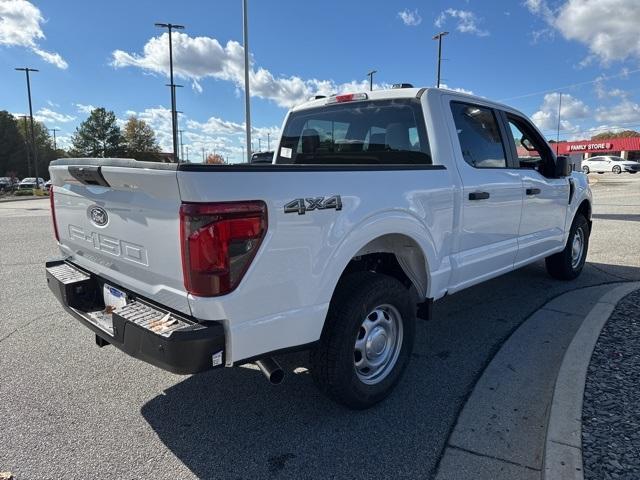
{"x": 5, "y": 184}
{"x": 607, "y": 163}
{"x": 30, "y": 183}
{"x": 377, "y": 204}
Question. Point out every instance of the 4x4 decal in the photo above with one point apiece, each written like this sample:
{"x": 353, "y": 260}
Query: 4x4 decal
{"x": 303, "y": 205}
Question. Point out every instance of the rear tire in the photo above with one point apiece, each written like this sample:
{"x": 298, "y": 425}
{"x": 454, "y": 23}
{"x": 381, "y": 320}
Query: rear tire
{"x": 367, "y": 340}
{"x": 616, "y": 169}
{"x": 567, "y": 264}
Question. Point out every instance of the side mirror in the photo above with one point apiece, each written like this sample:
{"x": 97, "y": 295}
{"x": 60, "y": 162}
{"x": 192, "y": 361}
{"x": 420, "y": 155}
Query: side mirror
{"x": 563, "y": 166}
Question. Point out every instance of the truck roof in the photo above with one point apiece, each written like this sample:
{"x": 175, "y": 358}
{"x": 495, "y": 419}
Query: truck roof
{"x": 391, "y": 93}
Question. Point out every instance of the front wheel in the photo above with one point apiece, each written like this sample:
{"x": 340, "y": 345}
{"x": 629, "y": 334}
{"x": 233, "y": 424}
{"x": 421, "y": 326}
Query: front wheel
{"x": 367, "y": 340}
{"x": 567, "y": 264}
{"x": 616, "y": 169}
{"x": 585, "y": 169}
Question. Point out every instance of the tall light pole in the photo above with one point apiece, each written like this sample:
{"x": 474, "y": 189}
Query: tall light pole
{"x": 187, "y": 157}
{"x": 247, "y": 94}
{"x": 558, "y": 131}
{"x": 174, "y": 119}
{"x": 26, "y": 144}
{"x": 370, "y": 75}
{"x": 438, "y": 36}
{"x": 181, "y": 144}
{"x": 268, "y": 142}
{"x": 26, "y": 70}
{"x": 54, "y": 130}
{"x": 259, "y": 144}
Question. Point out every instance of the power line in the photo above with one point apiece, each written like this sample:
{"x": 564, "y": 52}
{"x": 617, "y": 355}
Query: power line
{"x": 566, "y": 87}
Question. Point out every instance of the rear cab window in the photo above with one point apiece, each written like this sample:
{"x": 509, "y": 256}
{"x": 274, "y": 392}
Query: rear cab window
{"x": 372, "y": 132}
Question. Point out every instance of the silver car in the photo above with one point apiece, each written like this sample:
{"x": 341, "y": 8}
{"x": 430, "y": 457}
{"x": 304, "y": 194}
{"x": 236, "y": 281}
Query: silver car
{"x": 608, "y": 163}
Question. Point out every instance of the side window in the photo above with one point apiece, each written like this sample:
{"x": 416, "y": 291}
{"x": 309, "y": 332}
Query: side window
{"x": 531, "y": 152}
{"x": 479, "y": 135}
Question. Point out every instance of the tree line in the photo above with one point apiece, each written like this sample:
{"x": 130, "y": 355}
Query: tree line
{"x": 98, "y": 136}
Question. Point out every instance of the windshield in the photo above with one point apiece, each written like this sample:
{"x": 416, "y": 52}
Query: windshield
{"x": 29, "y": 179}
{"x": 372, "y": 132}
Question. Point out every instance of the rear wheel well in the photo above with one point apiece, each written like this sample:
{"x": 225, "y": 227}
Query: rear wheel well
{"x": 378, "y": 262}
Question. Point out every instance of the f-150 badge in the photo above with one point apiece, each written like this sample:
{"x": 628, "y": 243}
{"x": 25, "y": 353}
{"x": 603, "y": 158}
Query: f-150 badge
{"x": 304, "y": 205}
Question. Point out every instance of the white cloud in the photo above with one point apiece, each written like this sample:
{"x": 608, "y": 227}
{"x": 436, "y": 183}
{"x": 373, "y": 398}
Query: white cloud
{"x": 82, "y": 108}
{"x": 410, "y": 18}
{"x": 20, "y": 26}
{"x": 546, "y": 118}
{"x": 47, "y": 115}
{"x": 624, "y": 112}
{"x": 196, "y": 58}
{"x": 609, "y": 28}
{"x": 467, "y": 21}
{"x": 456, "y": 89}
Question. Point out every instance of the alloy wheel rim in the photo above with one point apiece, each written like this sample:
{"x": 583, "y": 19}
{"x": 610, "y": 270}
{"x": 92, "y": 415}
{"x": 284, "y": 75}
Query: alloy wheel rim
{"x": 378, "y": 343}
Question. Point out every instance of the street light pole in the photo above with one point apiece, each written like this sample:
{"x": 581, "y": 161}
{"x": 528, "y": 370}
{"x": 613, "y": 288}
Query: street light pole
{"x": 370, "y": 75}
{"x": 26, "y": 144}
{"x": 171, "y": 27}
{"x": 54, "y": 130}
{"x": 559, "y": 114}
{"x": 268, "y": 142}
{"x": 247, "y": 94}
{"x": 438, "y": 37}
{"x": 33, "y": 135}
{"x": 187, "y": 158}
{"x": 181, "y": 145}
{"x": 259, "y": 144}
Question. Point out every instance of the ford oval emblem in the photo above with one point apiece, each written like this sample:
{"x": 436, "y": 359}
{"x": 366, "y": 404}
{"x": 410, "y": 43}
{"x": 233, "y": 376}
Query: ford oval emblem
{"x": 98, "y": 216}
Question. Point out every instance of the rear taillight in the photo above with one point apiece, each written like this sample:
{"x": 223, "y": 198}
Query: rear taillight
{"x": 219, "y": 241}
{"x": 53, "y": 214}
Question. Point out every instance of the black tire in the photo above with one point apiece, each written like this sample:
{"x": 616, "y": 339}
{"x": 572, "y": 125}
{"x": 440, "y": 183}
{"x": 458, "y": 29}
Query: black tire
{"x": 562, "y": 265}
{"x": 585, "y": 170}
{"x": 616, "y": 169}
{"x": 333, "y": 361}
{"x": 633, "y": 171}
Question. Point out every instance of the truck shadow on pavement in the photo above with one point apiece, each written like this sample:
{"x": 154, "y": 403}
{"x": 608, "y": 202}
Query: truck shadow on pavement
{"x": 231, "y": 423}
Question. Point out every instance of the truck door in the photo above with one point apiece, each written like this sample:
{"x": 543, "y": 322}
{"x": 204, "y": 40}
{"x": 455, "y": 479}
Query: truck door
{"x": 492, "y": 196}
{"x": 546, "y": 198}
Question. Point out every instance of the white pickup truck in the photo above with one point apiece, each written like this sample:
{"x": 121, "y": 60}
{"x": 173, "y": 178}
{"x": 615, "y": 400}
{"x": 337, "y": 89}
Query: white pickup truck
{"x": 376, "y": 204}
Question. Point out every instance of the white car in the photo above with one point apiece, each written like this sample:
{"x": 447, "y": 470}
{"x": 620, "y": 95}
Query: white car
{"x": 602, "y": 164}
{"x": 376, "y": 204}
{"x": 30, "y": 183}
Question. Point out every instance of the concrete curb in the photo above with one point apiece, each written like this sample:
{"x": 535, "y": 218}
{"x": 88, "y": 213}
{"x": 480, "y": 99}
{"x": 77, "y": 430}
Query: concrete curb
{"x": 563, "y": 445}
{"x": 22, "y": 199}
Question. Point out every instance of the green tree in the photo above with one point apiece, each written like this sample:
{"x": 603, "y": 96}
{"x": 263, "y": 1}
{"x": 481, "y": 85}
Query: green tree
{"x": 609, "y": 135}
{"x": 13, "y": 152}
{"x": 140, "y": 140}
{"x": 44, "y": 146}
{"x": 98, "y": 136}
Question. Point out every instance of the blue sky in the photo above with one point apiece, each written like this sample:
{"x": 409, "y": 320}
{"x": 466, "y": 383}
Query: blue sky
{"x": 523, "y": 52}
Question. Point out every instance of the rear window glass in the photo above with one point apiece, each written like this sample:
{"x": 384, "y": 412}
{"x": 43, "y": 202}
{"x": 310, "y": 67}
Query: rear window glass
{"x": 388, "y": 132}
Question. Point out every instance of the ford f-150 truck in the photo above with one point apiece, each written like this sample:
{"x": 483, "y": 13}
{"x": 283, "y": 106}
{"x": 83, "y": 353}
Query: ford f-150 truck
{"x": 375, "y": 205}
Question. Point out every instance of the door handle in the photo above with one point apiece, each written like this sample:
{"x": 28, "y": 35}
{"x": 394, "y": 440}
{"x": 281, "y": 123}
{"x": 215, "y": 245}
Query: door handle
{"x": 478, "y": 195}
{"x": 533, "y": 191}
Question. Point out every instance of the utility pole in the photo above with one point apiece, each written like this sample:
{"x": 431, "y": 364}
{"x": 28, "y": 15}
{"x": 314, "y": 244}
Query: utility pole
{"x": 174, "y": 115}
{"x": 247, "y": 95}
{"x": 370, "y": 75}
{"x": 33, "y": 135}
{"x": 438, "y": 36}
{"x": 259, "y": 144}
{"x": 243, "y": 157}
{"x": 202, "y": 154}
{"x": 55, "y": 145}
{"x": 187, "y": 147}
{"x": 558, "y": 130}
{"x": 26, "y": 144}
{"x": 268, "y": 142}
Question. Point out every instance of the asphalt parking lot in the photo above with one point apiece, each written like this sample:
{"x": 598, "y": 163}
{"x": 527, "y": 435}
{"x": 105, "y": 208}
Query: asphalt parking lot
{"x": 71, "y": 410}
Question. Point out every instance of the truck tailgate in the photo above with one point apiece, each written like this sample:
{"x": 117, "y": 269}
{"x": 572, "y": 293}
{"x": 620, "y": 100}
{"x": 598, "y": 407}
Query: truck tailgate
{"x": 122, "y": 223}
